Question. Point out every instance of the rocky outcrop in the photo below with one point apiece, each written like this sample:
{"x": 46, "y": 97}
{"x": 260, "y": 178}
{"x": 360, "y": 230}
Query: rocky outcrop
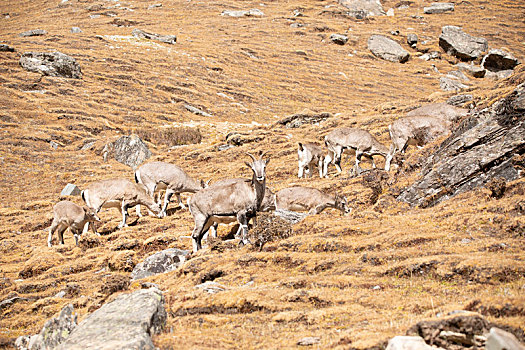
{"x": 451, "y": 83}
{"x": 54, "y": 64}
{"x": 498, "y": 339}
{"x": 499, "y": 60}
{"x": 439, "y": 7}
{"x": 304, "y": 117}
{"x": 33, "y": 32}
{"x": 481, "y": 148}
{"x": 454, "y": 41}
{"x": 53, "y": 333}
{"x": 129, "y": 150}
{"x": 160, "y": 262}
{"x": 459, "y": 100}
{"x": 6, "y": 48}
{"x": 363, "y": 8}
{"x": 472, "y": 70}
{"x": 168, "y": 39}
{"x": 125, "y": 323}
{"x": 387, "y": 49}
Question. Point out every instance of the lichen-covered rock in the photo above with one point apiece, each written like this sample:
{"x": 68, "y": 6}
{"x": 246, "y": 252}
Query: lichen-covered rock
{"x": 480, "y": 149}
{"x": 451, "y": 83}
{"x": 54, "y": 64}
{"x": 168, "y": 39}
{"x": 53, "y": 333}
{"x": 125, "y": 323}
{"x": 457, "y": 43}
{"x": 439, "y": 7}
{"x": 387, "y": 49}
{"x": 129, "y": 150}
{"x": 160, "y": 262}
{"x": 363, "y": 8}
{"x": 33, "y": 32}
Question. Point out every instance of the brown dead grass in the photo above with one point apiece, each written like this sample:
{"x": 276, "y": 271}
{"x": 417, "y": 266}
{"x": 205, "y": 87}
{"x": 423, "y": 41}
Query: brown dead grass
{"x": 248, "y": 73}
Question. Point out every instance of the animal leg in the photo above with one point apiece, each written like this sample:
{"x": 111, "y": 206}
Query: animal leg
{"x": 76, "y": 234}
{"x": 243, "y": 221}
{"x": 124, "y": 209}
{"x": 198, "y": 232}
{"x": 167, "y": 197}
{"x": 181, "y": 204}
{"x": 60, "y": 232}
{"x": 300, "y": 173}
{"x": 52, "y": 230}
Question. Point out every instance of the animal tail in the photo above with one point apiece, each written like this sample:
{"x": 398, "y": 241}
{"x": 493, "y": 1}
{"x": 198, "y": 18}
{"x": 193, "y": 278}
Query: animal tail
{"x": 136, "y": 177}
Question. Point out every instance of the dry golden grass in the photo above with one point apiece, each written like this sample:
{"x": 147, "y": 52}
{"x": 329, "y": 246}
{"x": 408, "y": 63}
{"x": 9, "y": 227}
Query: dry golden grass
{"x": 248, "y": 73}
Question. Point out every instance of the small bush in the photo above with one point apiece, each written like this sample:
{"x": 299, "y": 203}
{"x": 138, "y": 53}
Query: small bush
{"x": 170, "y": 136}
{"x": 269, "y": 228}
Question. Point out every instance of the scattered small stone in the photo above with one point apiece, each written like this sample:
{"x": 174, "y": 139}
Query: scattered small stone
{"x": 153, "y": 6}
{"x": 248, "y": 13}
{"x": 499, "y": 60}
{"x": 433, "y": 55}
{"x": 76, "y": 30}
{"x": 33, "y": 32}
{"x": 8, "y": 302}
{"x": 390, "y": 12}
{"x": 439, "y": 7}
{"x": 387, "y": 49}
{"x": 361, "y": 9}
{"x": 94, "y": 16}
{"x": 459, "y": 100}
{"x": 309, "y": 341}
{"x": 297, "y": 13}
{"x": 339, "y": 39}
{"x": 6, "y": 48}
{"x": 60, "y": 294}
{"x": 224, "y": 147}
{"x": 376, "y": 288}
{"x": 296, "y": 25}
{"x": 53, "y": 144}
{"x": 412, "y": 40}
{"x": 395, "y": 32}
{"x": 168, "y": 39}
{"x": 197, "y": 111}
{"x": 70, "y": 190}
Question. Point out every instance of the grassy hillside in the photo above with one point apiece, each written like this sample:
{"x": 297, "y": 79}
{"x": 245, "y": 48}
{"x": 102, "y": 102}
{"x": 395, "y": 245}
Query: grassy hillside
{"x": 354, "y": 281}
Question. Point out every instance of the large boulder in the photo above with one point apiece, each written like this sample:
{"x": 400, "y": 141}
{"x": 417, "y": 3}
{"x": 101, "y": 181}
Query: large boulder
{"x": 408, "y": 343}
{"x": 363, "y": 8}
{"x": 442, "y": 111}
{"x": 53, "y": 333}
{"x": 498, "y": 339}
{"x": 54, "y": 64}
{"x": 451, "y": 83}
{"x": 387, "y": 49}
{"x": 457, "y": 43}
{"x": 499, "y": 60}
{"x": 125, "y": 323}
{"x": 480, "y": 149}
{"x": 129, "y": 150}
{"x": 160, "y": 262}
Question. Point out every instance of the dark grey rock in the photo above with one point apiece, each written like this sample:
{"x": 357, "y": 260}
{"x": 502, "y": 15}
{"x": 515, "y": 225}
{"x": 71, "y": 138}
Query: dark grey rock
{"x": 54, "y": 332}
{"x": 125, "y": 323}
{"x": 304, "y": 117}
{"x": 408, "y": 343}
{"x": 33, "y": 32}
{"x": 498, "y": 60}
{"x": 459, "y": 100}
{"x": 471, "y": 69}
{"x": 168, "y": 39}
{"x": 454, "y": 41}
{"x": 54, "y": 64}
{"x": 248, "y": 13}
{"x": 339, "y": 39}
{"x": 412, "y": 40}
{"x": 76, "y": 30}
{"x": 363, "y": 8}
{"x": 387, "y": 49}
{"x": 498, "y": 339}
{"x": 6, "y": 48}
{"x": 160, "y": 262}
{"x": 480, "y": 149}
{"x": 197, "y": 111}
{"x": 129, "y": 150}
{"x": 4, "y": 304}
{"x": 439, "y": 7}
{"x": 450, "y": 83}
{"x": 70, "y": 190}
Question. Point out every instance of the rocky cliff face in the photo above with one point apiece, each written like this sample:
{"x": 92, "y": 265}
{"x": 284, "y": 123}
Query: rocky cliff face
{"x": 481, "y": 148}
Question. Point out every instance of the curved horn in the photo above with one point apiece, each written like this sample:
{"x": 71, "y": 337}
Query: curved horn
{"x": 251, "y": 156}
{"x": 262, "y": 154}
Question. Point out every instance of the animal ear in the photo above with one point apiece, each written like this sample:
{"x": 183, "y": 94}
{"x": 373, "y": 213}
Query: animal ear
{"x": 267, "y": 161}
{"x": 249, "y": 165}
